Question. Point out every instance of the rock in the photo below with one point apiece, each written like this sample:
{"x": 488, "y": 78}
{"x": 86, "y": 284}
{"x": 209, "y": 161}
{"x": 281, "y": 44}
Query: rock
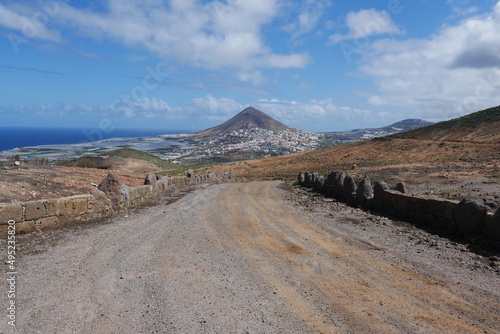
{"x": 364, "y": 193}
{"x": 150, "y": 179}
{"x": 306, "y": 178}
{"x": 310, "y": 179}
{"x": 470, "y": 216}
{"x": 379, "y": 195}
{"x": 301, "y": 178}
{"x": 102, "y": 205}
{"x": 162, "y": 182}
{"x": 493, "y": 203}
{"x": 330, "y": 183}
{"x": 125, "y": 195}
{"x": 211, "y": 178}
{"x": 190, "y": 173}
{"x": 349, "y": 190}
{"x": 403, "y": 188}
{"x": 111, "y": 186}
{"x": 328, "y": 186}
{"x": 493, "y": 227}
{"x": 319, "y": 184}
{"x": 338, "y": 187}
{"x": 225, "y": 177}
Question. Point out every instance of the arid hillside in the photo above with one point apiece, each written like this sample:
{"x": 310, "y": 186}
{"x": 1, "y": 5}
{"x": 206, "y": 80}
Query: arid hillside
{"x": 472, "y": 139}
{"x": 481, "y": 126}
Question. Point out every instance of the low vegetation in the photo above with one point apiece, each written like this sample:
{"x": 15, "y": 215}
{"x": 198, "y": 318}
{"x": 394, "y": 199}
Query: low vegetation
{"x": 82, "y": 162}
{"x": 130, "y": 153}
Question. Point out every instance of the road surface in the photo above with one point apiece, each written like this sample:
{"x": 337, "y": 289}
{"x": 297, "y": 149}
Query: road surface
{"x": 238, "y": 258}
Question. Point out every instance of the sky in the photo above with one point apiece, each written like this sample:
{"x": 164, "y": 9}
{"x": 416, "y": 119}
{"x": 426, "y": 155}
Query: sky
{"x": 328, "y": 65}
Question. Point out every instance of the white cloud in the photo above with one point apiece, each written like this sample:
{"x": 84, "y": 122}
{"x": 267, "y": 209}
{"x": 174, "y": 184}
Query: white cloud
{"x": 209, "y": 107}
{"x": 365, "y": 23}
{"x": 28, "y": 24}
{"x": 456, "y": 71}
{"x": 314, "y": 114}
{"x": 376, "y": 100}
{"x": 207, "y": 34}
{"x": 293, "y": 112}
{"x": 306, "y": 16}
{"x": 256, "y": 77}
{"x": 464, "y": 11}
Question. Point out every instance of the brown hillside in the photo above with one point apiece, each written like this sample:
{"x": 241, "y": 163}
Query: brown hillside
{"x": 482, "y": 126}
{"x": 474, "y": 140}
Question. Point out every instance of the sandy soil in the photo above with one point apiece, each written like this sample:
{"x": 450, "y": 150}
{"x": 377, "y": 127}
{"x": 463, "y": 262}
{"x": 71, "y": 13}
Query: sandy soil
{"x": 253, "y": 258}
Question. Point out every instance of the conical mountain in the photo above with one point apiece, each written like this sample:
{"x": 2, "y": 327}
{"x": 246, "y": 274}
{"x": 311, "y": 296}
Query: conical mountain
{"x": 246, "y": 119}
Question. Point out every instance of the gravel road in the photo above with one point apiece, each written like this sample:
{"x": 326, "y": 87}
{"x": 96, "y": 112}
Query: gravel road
{"x": 245, "y": 258}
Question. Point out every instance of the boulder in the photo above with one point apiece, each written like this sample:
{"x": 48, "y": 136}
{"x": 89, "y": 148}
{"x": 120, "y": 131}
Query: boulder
{"x": 111, "y": 186}
{"x": 306, "y": 180}
{"x": 349, "y": 190}
{"x": 470, "y": 216}
{"x": 190, "y": 173}
{"x": 364, "y": 193}
{"x": 150, "y": 180}
{"x": 403, "y": 188}
{"x": 493, "y": 228}
{"x": 319, "y": 184}
{"x": 301, "y": 178}
{"x": 379, "y": 195}
{"x": 338, "y": 187}
{"x": 310, "y": 179}
{"x": 330, "y": 183}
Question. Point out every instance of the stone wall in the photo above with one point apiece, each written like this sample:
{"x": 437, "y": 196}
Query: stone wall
{"x": 110, "y": 197}
{"x": 465, "y": 217}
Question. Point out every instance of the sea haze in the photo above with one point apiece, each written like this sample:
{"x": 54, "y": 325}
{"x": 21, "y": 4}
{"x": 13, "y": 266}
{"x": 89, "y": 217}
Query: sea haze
{"x": 11, "y": 138}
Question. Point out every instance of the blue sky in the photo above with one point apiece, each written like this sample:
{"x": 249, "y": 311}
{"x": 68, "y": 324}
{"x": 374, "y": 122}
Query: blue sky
{"x": 190, "y": 64}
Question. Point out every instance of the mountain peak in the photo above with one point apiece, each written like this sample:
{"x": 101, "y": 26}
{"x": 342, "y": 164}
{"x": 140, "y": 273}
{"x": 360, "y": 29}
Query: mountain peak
{"x": 246, "y": 119}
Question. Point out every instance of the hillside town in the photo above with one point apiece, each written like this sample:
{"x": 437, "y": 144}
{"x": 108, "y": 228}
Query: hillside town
{"x": 255, "y": 141}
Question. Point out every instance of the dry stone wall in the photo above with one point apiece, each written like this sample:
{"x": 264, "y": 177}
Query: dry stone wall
{"x": 110, "y": 197}
{"x": 465, "y": 217}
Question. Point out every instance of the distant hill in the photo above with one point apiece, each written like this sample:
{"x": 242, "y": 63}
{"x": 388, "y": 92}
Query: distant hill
{"x": 337, "y": 138}
{"x": 408, "y": 124}
{"x": 481, "y": 126}
{"x": 401, "y": 126}
{"x": 472, "y": 138}
{"x": 246, "y": 119}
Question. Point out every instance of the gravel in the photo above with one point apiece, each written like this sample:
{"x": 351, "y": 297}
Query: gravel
{"x": 260, "y": 257}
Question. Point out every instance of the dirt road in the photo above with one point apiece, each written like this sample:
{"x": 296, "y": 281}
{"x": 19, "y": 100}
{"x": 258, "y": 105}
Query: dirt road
{"x": 240, "y": 258}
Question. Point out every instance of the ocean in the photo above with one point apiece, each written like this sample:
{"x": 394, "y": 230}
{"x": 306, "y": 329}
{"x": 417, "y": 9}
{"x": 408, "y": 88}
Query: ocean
{"x": 11, "y": 138}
